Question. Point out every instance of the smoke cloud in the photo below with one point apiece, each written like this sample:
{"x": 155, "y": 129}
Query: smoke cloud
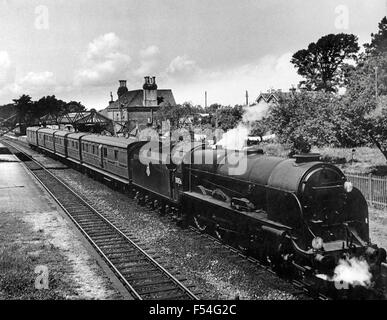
{"x": 235, "y": 139}
{"x": 353, "y": 271}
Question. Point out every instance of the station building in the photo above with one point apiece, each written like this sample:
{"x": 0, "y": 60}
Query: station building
{"x": 135, "y": 109}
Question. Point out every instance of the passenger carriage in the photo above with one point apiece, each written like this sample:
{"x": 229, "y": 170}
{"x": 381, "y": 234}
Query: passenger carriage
{"x": 74, "y": 150}
{"x": 32, "y": 136}
{"x": 107, "y": 156}
{"x": 46, "y": 139}
{"x": 60, "y": 139}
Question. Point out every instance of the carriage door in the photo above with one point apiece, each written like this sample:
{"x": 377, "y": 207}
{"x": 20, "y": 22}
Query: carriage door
{"x": 100, "y": 152}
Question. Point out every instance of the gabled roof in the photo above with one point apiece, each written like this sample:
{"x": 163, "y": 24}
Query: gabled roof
{"x": 267, "y": 97}
{"x": 77, "y": 117}
{"x": 94, "y": 117}
{"x": 134, "y": 98}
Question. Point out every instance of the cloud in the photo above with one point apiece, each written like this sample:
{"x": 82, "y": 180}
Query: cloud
{"x": 149, "y": 52}
{"x": 149, "y": 61}
{"x": 182, "y": 66}
{"x": 104, "y": 61}
{"x": 5, "y": 61}
{"x": 37, "y": 79}
{"x": 228, "y": 86}
{"x": 5, "y": 67}
{"x": 33, "y": 83}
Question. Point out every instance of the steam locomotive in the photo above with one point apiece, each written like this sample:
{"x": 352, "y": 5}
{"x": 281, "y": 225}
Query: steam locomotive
{"x": 299, "y": 215}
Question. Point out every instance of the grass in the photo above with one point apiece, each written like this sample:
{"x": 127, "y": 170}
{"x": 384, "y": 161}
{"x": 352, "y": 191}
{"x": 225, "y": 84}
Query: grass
{"x": 20, "y": 253}
{"x": 364, "y": 160}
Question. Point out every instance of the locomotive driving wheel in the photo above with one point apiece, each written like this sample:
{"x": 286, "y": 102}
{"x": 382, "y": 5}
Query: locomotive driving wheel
{"x": 220, "y": 234}
{"x": 199, "y": 225}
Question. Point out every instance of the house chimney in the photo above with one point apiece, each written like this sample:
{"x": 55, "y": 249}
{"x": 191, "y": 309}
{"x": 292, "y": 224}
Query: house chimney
{"x": 150, "y": 92}
{"x": 111, "y": 98}
{"x": 150, "y": 83}
{"x": 122, "y": 89}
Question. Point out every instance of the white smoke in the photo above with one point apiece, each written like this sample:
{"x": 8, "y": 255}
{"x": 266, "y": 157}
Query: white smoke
{"x": 353, "y": 271}
{"x": 235, "y": 139}
{"x": 254, "y": 113}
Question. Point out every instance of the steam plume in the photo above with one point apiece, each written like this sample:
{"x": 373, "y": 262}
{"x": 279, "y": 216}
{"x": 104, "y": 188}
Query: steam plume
{"x": 235, "y": 139}
{"x": 353, "y": 271}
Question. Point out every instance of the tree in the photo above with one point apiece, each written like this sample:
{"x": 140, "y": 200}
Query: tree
{"x": 24, "y": 110}
{"x": 74, "y": 106}
{"x": 365, "y": 107}
{"x": 304, "y": 119}
{"x": 228, "y": 117}
{"x": 49, "y": 105}
{"x": 378, "y": 42}
{"x": 322, "y": 63}
{"x": 177, "y": 115}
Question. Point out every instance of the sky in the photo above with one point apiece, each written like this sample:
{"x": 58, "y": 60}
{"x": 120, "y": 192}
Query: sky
{"x": 79, "y": 49}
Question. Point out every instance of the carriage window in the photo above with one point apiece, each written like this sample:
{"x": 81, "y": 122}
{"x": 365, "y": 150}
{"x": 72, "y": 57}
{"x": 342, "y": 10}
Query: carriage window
{"x": 87, "y": 147}
{"x": 116, "y": 155}
{"x": 93, "y": 149}
{"x": 83, "y": 146}
{"x": 105, "y": 152}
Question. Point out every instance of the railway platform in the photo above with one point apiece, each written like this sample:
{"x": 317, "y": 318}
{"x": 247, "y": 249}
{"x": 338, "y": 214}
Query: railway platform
{"x": 31, "y": 221}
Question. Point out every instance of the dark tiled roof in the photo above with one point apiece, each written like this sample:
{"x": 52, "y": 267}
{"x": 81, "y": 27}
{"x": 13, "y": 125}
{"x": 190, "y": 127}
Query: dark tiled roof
{"x": 134, "y": 98}
{"x": 167, "y": 96}
{"x": 267, "y": 97}
{"x": 277, "y": 96}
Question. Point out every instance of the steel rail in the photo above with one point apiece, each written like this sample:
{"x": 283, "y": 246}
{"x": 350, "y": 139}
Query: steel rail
{"x": 137, "y": 295}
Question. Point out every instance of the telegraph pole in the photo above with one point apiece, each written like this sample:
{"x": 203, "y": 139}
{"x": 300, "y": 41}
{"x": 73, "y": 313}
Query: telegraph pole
{"x": 247, "y": 98}
{"x": 205, "y": 99}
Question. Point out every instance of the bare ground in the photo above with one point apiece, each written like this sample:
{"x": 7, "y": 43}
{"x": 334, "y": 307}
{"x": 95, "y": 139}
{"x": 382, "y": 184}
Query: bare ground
{"x": 31, "y": 239}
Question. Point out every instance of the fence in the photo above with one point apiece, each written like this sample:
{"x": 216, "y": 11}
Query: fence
{"x": 374, "y": 188}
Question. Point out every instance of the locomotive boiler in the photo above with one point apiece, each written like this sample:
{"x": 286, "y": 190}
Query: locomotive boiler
{"x": 299, "y": 213}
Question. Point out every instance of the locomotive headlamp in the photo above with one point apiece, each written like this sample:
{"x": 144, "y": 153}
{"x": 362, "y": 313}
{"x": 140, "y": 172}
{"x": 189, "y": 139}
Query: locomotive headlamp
{"x": 348, "y": 186}
{"x": 317, "y": 243}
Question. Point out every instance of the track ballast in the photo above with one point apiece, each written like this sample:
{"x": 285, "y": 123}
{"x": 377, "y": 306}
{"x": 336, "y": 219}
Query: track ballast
{"x": 141, "y": 275}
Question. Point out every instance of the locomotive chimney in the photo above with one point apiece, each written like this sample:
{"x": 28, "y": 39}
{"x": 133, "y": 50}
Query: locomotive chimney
{"x": 307, "y": 157}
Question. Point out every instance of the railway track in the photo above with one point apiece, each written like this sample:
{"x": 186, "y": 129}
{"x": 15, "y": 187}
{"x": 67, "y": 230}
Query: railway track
{"x": 302, "y": 287}
{"x": 142, "y": 275}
